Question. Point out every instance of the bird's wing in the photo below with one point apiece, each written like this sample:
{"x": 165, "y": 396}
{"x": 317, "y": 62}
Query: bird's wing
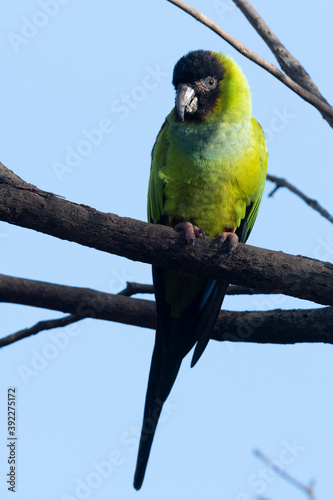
{"x": 155, "y": 188}
{"x": 245, "y": 227}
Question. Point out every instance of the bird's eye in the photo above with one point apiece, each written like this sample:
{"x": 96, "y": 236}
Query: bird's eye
{"x": 211, "y": 82}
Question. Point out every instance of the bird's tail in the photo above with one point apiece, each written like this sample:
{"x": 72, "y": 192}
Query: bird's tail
{"x": 209, "y": 308}
{"x": 163, "y": 372}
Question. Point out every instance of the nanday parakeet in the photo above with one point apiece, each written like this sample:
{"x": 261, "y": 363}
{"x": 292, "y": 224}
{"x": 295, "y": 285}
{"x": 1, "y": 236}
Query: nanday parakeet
{"x": 207, "y": 176}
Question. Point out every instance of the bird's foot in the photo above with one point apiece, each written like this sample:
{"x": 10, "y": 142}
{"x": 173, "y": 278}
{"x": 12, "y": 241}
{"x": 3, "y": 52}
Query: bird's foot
{"x": 231, "y": 236}
{"x": 191, "y": 232}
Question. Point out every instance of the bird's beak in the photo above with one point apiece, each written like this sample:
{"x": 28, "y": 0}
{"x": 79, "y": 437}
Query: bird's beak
{"x": 186, "y": 100}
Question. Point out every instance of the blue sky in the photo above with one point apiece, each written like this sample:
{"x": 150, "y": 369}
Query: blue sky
{"x": 101, "y": 72}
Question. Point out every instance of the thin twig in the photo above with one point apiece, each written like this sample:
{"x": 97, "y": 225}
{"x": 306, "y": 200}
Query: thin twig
{"x": 39, "y": 327}
{"x": 245, "y": 51}
{"x": 280, "y": 182}
{"x": 308, "y": 490}
{"x": 288, "y": 63}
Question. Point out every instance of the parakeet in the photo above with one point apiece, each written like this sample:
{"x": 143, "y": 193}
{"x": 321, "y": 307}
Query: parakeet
{"x": 207, "y": 176}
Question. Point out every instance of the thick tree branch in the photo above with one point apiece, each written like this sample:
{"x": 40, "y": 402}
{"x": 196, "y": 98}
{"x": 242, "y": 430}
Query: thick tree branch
{"x": 276, "y": 326}
{"x": 134, "y": 288}
{"x": 325, "y": 109}
{"x": 266, "y": 270}
{"x": 280, "y": 182}
{"x": 131, "y": 289}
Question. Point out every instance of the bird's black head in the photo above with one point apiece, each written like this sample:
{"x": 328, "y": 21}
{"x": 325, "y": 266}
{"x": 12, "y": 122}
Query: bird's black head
{"x": 196, "y": 77}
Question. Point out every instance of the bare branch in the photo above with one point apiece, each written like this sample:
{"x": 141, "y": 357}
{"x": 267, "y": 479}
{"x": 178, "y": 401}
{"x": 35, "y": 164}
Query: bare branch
{"x": 245, "y": 290}
{"x": 276, "y": 326}
{"x": 131, "y": 289}
{"x": 39, "y": 327}
{"x": 288, "y": 63}
{"x": 324, "y": 108}
{"x": 308, "y": 490}
{"x": 280, "y": 182}
{"x": 266, "y": 270}
{"x": 135, "y": 288}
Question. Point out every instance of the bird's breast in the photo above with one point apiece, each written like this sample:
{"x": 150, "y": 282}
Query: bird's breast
{"x": 210, "y": 140}
{"x": 203, "y": 174}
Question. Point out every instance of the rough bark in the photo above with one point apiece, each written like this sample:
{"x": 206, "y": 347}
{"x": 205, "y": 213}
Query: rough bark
{"x": 276, "y": 326}
{"x": 27, "y": 206}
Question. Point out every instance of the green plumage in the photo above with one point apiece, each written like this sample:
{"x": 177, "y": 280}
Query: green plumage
{"x": 208, "y": 167}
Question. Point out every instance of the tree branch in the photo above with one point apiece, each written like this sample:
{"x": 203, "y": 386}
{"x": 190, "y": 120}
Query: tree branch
{"x": 308, "y": 490}
{"x": 280, "y": 182}
{"x": 266, "y": 270}
{"x": 288, "y": 63}
{"x": 134, "y": 288}
{"x": 325, "y": 109}
{"x": 276, "y": 326}
{"x": 131, "y": 289}
{"x": 39, "y": 327}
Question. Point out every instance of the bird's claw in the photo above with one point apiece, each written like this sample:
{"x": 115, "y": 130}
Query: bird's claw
{"x": 232, "y": 237}
{"x": 192, "y": 243}
{"x": 191, "y": 232}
